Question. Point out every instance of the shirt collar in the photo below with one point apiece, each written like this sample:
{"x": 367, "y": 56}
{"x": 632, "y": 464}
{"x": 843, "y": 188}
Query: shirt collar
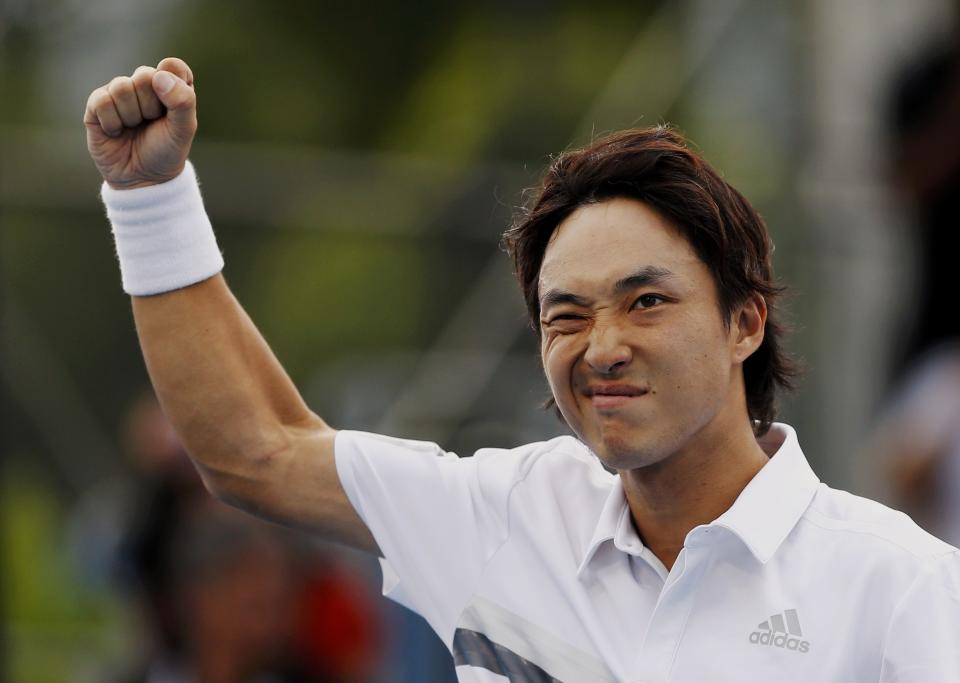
{"x": 762, "y": 516}
{"x": 770, "y": 506}
{"x": 614, "y": 516}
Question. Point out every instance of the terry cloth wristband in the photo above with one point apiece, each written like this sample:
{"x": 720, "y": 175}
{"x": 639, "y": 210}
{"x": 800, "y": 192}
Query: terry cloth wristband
{"x": 163, "y": 235}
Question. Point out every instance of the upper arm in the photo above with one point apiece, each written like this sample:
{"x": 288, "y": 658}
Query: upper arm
{"x": 298, "y": 486}
{"x": 253, "y": 439}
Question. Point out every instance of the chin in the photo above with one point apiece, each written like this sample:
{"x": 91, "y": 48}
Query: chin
{"x": 619, "y": 452}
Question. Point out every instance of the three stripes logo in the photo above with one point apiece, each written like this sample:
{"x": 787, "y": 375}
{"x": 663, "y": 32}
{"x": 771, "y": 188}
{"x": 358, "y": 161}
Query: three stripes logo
{"x": 781, "y": 630}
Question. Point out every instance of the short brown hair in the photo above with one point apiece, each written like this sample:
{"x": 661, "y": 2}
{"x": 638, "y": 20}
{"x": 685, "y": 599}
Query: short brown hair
{"x": 655, "y": 166}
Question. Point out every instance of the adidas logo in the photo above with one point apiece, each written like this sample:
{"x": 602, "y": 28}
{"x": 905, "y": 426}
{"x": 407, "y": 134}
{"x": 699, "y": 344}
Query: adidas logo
{"x": 781, "y": 630}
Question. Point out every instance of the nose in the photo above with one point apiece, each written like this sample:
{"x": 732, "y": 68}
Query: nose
{"x": 606, "y": 351}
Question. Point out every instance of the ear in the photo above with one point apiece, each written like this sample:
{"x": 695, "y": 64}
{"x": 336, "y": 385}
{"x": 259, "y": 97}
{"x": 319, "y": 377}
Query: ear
{"x": 748, "y": 325}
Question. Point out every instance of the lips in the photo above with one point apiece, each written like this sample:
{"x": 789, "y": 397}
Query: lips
{"x": 613, "y": 395}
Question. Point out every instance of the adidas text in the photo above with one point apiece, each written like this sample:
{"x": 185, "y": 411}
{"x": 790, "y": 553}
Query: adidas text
{"x": 779, "y": 640}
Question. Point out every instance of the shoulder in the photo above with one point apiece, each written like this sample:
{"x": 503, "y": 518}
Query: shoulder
{"x": 498, "y": 470}
{"x": 543, "y": 463}
{"x": 866, "y": 524}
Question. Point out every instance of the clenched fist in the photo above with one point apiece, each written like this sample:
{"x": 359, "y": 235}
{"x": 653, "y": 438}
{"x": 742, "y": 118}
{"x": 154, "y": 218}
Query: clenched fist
{"x": 140, "y": 127}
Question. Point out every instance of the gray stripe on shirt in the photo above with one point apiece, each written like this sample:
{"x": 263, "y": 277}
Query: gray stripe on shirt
{"x": 530, "y": 643}
{"x": 475, "y": 649}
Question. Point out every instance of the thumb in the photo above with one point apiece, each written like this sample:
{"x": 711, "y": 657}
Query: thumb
{"x": 180, "y": 101}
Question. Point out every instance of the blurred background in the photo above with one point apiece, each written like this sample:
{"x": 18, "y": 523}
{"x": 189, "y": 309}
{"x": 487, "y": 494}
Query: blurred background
{"x": 359, "y": 162}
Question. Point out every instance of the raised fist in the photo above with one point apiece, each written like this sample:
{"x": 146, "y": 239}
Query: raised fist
{"x": 140, "y": 127}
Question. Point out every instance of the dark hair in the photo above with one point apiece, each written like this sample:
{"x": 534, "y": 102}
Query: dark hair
{"x": 655, "y": 166}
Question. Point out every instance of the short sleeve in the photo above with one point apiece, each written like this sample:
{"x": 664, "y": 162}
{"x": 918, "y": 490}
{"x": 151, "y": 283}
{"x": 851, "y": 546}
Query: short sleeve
{"x": 922, "y": 643}
{"x": 436, "y": 525}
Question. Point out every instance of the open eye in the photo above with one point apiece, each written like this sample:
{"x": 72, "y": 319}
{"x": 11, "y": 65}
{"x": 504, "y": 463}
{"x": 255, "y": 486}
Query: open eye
{"x": 648, "y": 301}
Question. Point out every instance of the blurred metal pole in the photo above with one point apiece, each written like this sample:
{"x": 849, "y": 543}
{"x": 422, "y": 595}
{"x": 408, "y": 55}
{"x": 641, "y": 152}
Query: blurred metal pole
{"x": 488, "y": 319}
{"x": 618, "y": 105}
{"x": 269, "y": 185}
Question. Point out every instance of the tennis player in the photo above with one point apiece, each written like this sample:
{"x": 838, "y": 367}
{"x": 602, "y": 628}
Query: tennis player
{"x": 713, "y": 553}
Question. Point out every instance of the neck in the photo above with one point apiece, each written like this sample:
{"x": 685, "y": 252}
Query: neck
{"x": 691, "y": 487}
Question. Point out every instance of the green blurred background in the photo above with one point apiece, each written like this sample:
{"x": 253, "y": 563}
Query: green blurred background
{"x": 359, "y": 162}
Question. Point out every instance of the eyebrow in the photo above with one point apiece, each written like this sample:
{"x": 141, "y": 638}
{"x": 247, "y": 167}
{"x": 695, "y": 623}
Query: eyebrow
{"x": 645, "y": 277}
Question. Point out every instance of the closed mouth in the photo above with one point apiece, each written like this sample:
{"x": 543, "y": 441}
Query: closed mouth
{"x": 622, "y": 390}
{"x": 611, "y": 397}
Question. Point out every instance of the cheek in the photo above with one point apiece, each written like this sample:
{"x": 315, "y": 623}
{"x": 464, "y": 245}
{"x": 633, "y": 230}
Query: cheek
{"x": 699, "y": 364}
{"x": 552, "y": 366}
{"x": 558, "y": 357}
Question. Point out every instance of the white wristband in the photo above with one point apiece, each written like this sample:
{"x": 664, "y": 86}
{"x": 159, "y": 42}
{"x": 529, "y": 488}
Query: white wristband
{"x": 163, "y": 236}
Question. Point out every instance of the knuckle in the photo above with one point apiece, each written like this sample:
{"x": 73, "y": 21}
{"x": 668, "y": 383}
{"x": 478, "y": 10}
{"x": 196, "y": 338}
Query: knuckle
{"x": 120, "y": 86}
{"x": 100, "y": 98}
{"x": 93, "y": 98}
{"x": 142, "y": 75}
{"x": 142, "y": 83}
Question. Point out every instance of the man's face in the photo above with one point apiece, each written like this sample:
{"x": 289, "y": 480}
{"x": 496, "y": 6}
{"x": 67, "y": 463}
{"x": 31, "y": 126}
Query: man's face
{"x": 633, "y": 341}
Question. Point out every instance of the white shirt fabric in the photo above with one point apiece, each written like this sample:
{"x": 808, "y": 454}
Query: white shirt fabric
{"x": 526, "y": 563}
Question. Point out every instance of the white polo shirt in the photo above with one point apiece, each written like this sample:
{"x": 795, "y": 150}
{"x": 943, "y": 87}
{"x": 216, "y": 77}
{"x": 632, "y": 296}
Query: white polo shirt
{"x": 526, "y": 563}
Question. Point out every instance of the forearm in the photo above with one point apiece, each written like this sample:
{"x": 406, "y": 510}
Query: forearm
{"x": 253, "y": 439}
{"x": 226, "y": 394}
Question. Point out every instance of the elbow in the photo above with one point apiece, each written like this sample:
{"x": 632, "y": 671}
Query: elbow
{"x": 252, "y": 478}
{"x": 240, "y": 482}
{"x": 219, "y": 484}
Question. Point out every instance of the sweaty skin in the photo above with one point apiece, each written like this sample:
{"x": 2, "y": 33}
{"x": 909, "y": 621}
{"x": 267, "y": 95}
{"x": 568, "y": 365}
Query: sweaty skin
{"x": 643, "y": 368}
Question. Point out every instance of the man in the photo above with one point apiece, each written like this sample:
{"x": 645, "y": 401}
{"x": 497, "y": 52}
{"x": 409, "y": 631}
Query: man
{"x": 714, "y": 554}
